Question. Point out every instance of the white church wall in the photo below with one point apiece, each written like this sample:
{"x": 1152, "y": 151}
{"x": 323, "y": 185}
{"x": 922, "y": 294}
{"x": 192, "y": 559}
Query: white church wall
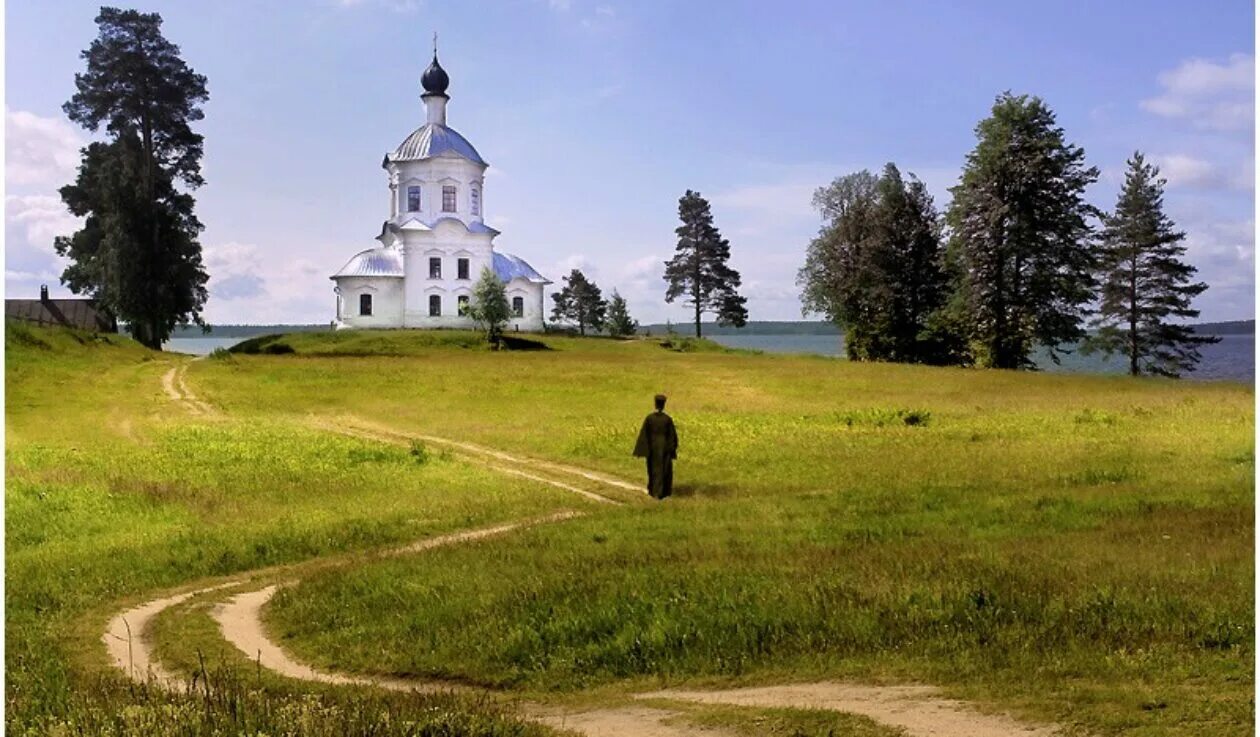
{"x": 531, "y": 293}
{"x": 430, "y": 175}
{"x": 387, "y": 301}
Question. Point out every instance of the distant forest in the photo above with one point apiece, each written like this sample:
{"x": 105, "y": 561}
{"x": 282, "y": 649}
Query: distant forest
{"x": 767, "y": 327}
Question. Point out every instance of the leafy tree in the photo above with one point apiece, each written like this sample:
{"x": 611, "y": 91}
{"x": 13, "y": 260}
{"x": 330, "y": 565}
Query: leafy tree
{"x": 489, "y": 306}
{"x": 580, "y": 302}
{"x": 699, "y": 270}
{"x": 1021, "y": 238}
{"x": 1145, "y": 281}
{"x": 138, "y": 253}
{"x": 618, "y": 321}
{"x": 875, "y": 269}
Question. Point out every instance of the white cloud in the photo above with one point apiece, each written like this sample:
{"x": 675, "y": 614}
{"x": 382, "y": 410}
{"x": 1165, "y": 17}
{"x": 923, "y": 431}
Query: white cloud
{"x": 39, "y": 151}
{"x": 1211, "y": 95}
{"x": 560, "y": 5}
{"x": 783, "y": 200}
{"x": 250, "y": 285}
{"x": 41, "y": 218}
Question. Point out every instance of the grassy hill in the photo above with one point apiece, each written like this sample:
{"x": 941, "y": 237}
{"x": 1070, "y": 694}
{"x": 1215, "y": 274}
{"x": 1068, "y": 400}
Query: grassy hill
{"x": 1069, "y": 548}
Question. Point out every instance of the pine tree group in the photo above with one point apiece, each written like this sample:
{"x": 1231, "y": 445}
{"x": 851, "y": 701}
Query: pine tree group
{"x": 579, "y": 302}
{"x": 875, "y": 267}
{"x": 618, "y": 321}
{"x": 1145, "y": 281}
{"x": 699, "y": 271}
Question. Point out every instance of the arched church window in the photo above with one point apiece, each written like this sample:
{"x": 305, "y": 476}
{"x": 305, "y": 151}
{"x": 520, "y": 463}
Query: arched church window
{"x": 474, "y": 195}
{"x": 463, "y": 305}
{"x": 413, "y": 199}
{"x": 518, "y": 306}
{"x": 435, "y": 305}
{"x": 365, "y": 305}
{"x": 448, "y": 198}
{"x": 435, "y": 267}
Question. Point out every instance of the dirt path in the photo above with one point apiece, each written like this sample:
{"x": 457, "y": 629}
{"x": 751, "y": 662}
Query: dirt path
{"x": 175, "y": 386}
{"x": 917, "y": 710}
{"x": 529, "y": 468}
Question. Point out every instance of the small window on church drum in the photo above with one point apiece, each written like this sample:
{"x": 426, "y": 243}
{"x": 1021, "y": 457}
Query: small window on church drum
{"x": 435, "y": 268}
{"x": 463, "y": 305}
{"x": 474, "y": 196}
{"x": 518, "y": 306}
{"x": 413, "y": 199}
{"x": 462, "y": 266}
{"x": 365, "y": 304}
{"x": 435, "y": 305}
{"x": 448, "y": 198}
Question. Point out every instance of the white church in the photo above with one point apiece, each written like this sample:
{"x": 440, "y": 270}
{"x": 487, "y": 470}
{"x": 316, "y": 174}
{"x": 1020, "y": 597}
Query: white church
{"x": 435, "y": 242}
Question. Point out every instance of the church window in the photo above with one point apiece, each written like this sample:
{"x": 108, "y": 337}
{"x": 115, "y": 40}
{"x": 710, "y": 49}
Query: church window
{"x": 463, "y": 305}
{"x": 518, "y": 306}
{"x": 365, "y": 304}
{"x": 435, "y": 268}
{"x": 462, "y": 265}
{"x": 448, "y": 198}
{"x": 413, "y": 199}
{"x": 474, "y": 195}
{"x": 435, "y": 305}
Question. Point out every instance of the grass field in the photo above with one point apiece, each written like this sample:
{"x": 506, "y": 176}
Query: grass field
{"x": 1075, "y": 549}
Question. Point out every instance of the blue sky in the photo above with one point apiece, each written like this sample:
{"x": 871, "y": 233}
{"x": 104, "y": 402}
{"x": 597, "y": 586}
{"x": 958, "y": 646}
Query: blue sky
{"x": 596, "y": 115}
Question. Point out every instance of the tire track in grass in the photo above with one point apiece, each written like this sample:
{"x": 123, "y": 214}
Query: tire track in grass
{"x": 488, "y": 457}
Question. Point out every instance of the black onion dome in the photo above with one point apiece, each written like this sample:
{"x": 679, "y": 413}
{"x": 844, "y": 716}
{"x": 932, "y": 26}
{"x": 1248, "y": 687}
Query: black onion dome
{"x": 434, "y": 79}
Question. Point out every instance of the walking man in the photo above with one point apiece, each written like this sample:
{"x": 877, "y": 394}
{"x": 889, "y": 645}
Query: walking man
{"x": 658, "y": 443}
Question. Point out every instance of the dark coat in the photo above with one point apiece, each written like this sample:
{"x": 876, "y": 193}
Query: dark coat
{"x": 658, "y": 443}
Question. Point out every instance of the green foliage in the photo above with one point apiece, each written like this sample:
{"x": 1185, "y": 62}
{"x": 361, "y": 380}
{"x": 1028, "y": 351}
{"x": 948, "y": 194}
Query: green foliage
{"x": 1145, "y": 281}
{"x": 1020, "y": 243}
{"x": 137, "y": 253}
{"x": 580, "y": 302}
{"x": 876, "y": 271}
{"x": 619, "y": 323}
{"x": 699, "y": 271}
{"x": 490, "y": 308}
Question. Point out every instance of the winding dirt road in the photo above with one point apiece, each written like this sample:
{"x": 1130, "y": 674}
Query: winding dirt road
{"x": 918, "y": 711}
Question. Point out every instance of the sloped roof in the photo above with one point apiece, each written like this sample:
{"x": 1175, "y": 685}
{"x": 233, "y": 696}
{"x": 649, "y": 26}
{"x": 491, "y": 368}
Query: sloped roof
{"x": 373, "y": 262}
{"x": 508, "y": 267}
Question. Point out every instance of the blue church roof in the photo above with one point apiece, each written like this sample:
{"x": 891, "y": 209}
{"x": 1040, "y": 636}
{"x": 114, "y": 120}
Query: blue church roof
{"x": 434, "y": 139}
{"x": 508, "y": 267}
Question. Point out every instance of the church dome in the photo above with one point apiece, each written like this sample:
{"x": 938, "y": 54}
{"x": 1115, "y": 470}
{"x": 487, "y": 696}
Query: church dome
{"x": 373, "y": 262}
{"x": 435, "y": 139}
{"x": 435, "y": 80}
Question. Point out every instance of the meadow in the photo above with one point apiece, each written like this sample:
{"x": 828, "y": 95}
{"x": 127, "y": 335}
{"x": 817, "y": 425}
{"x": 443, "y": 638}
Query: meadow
{"x": 1074, "y": 549}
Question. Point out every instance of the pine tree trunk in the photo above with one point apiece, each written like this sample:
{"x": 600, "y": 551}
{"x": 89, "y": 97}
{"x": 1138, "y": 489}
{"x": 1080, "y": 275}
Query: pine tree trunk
{"x": 1133, "y": 332}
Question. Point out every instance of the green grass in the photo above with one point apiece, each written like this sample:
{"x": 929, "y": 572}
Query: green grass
{"x": 113, "y": 493}
{"x": 1070, "y": 548}
{"x": 1074, "y": 548}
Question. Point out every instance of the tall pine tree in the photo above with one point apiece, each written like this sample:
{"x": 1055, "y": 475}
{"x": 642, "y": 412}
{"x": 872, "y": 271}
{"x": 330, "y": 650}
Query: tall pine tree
{"x": 1145, "y": 281}
{"x": 579, "y": 302}
{"x": 138, "y": 253}
{"x": 875, "y": 269}
{"x": 699, "y": 271}
{"x": 1021, "y": 236}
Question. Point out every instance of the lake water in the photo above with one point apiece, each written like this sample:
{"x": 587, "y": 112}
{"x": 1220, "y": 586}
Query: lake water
{"x": 1232, "y": 359}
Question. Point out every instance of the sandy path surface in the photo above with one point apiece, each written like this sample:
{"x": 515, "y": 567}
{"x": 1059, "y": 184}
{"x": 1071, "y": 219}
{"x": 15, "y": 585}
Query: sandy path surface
{"x": 175, "y": 386}
{"x": 916, "y": 709}
{"x": 127, "y": 643}
{"x": 630, "y": 721}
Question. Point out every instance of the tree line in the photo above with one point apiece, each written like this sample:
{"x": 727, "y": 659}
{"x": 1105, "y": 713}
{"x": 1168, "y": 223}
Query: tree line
{"x": 1018, "y": 261}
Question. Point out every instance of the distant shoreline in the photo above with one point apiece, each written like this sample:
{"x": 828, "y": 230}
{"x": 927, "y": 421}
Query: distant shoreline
{"x": 769, "y": 327}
